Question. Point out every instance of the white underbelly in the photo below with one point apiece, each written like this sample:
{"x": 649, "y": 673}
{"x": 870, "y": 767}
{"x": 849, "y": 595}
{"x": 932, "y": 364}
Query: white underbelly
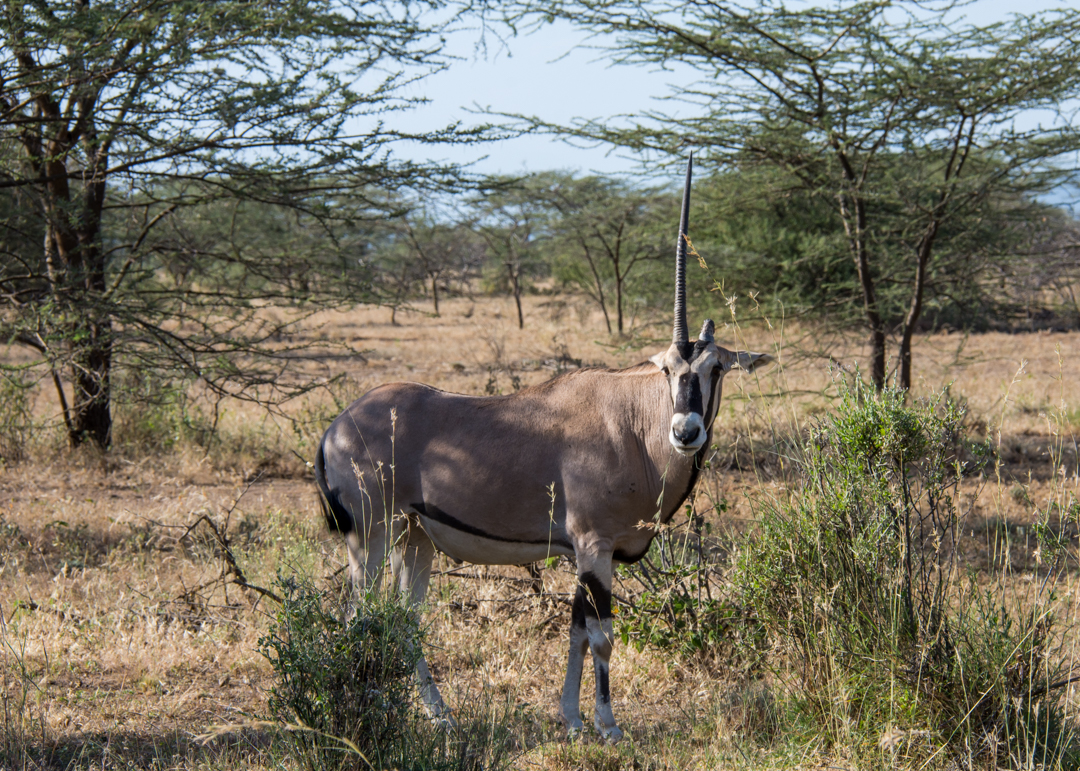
{"x": 466, "y": 547}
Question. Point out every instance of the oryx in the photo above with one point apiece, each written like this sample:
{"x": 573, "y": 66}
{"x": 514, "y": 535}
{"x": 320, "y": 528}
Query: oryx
{"x": 571, "y": 467}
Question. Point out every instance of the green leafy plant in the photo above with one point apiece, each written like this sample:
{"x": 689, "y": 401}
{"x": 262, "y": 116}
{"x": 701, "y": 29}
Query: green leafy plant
{"x": 680, "y": 601}
{"x": 345, "y": 689}
{"x": 856, "y": 580}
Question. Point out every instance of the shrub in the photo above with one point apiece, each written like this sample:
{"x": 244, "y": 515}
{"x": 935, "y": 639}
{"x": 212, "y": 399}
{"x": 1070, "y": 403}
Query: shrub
{"x": 855, "y": 579}
{"x": 679, "y": 600}
{"x": 346, "y": 689}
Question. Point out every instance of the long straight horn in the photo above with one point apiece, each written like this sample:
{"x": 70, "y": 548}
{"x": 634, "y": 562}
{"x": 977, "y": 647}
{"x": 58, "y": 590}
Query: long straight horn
{"x": 681, "y": 335}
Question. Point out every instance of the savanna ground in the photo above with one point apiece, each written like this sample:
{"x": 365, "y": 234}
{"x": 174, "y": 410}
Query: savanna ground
{"x": 126, "y": 634}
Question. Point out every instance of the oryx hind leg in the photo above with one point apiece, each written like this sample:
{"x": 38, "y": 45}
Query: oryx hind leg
{"x": 590, "y": 628}
{"x": 412, "y": 567}
{"x": 370, "y": 543}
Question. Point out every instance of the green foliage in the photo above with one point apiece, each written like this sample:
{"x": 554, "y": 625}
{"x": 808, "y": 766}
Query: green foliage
{"x": 346, "y": 690}
{"x": 856, "y": 582}
{"x": 513, "y": 218}
{"x": 156, "y": 414}
{"x": 176, "y": 169}
{"x": 612, "y": 241}
{"x": 346, "y": 681}
{"x": 898, "y": 119}
{"x": 789, "y": 249}
{"x": 680, "y": 601}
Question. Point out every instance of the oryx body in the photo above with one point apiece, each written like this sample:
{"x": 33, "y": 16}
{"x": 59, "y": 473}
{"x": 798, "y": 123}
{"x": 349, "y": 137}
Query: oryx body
{"x": 578, "y": 466}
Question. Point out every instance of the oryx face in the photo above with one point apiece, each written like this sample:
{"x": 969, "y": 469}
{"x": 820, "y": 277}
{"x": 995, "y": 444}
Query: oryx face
{"x": 694, "y": 371}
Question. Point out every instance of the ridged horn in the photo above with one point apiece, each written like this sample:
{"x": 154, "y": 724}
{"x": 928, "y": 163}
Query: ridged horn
{"x": 681, "y": 335}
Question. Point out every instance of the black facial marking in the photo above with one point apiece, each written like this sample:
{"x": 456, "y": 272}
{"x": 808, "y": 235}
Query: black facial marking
{"x": 688, "y": 398}
{"x": 699, "y": 460}
{"x": 438, "y": 515}
{"x": 597, "y": 597}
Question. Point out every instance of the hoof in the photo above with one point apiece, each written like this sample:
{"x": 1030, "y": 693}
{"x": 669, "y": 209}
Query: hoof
{"x": 612, "y": 734}
{"x": 574, "y": 725}
{"x": 444, "y": 722}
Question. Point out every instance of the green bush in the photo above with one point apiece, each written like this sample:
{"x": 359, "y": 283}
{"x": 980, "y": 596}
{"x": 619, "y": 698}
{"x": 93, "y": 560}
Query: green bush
{"x": 856, "y": 581}
{"x": 679, "y": 600}
{"x": 346, "y": 690}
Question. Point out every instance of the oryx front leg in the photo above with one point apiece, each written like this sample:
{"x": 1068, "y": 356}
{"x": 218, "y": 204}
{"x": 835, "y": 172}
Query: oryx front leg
{"x": 590, "y": 627}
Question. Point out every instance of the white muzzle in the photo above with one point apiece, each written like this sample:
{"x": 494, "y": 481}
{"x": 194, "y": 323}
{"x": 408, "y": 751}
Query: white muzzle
{"x": 688, "y": 433}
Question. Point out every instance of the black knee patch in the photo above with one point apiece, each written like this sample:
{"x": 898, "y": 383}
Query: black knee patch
{"x": 577, "y": 615}
{"x": 595, "y": 597}
{"x": 603, "y": 687}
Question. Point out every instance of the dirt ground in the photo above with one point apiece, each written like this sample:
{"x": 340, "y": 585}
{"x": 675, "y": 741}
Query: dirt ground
{"x": 111, "y": 597}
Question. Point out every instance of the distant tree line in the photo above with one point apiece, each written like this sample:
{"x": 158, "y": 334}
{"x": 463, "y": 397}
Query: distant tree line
{"x": 1012, "y": 263}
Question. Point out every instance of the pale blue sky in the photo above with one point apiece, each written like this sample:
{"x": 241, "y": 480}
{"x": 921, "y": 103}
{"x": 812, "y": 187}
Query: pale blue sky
{"x": 549, "y": 75}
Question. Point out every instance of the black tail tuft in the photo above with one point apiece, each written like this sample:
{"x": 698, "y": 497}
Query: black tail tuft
{"x": 337, "y": 517}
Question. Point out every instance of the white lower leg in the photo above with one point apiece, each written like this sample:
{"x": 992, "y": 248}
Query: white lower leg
{"x": 600, "y": 640}
{"x": 429, "y": 694}
{"x": 570, "y": 703}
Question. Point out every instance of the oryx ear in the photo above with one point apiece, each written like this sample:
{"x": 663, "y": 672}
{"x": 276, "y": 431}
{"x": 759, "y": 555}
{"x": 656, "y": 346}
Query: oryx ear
{"x": 748, "y": 360}
{"x": 658, "y": 359}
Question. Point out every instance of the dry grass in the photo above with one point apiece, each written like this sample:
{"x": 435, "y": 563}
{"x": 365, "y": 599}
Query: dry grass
{"x": 123, "y": 663}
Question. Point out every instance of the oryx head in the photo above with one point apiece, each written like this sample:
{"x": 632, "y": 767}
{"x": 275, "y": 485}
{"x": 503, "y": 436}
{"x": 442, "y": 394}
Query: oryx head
{"x": 695, "y": 369}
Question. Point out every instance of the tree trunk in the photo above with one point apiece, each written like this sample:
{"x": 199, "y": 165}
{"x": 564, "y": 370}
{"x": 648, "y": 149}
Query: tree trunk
{"x": 515, "y": 285}
{"x": 856, "y": 233}
{"x": 599, "y": 282}
{"x": 435, "y": 292}
{"x": 618, "y": 300}
{"x": 926, "y": 246}
{"x": 91, "y": 417}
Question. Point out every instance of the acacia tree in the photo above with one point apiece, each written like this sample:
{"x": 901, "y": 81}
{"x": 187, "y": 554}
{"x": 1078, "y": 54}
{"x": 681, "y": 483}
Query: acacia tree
{"x": 608, "y": 232}
{"x": 513, "y": 217}
{"x": 902, "y": 117}
{"x": 133, "y": 130}
{"x": 441, "y": 249}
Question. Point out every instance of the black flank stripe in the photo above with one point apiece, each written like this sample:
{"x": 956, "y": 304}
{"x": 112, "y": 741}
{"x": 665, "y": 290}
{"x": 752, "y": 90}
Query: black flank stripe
{"x": 440, "y": 516}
